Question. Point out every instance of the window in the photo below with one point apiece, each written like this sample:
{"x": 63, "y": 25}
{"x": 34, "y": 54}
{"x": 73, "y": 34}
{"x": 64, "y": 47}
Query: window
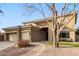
{"x": 64, "y": 34}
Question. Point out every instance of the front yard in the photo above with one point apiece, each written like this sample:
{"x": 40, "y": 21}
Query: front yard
{"x": 43, "y": 49}
{"x": 64, "y": 49}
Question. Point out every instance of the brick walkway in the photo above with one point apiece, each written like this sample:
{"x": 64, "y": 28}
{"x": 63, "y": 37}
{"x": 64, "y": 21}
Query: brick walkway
{"x": 36, "y": 51}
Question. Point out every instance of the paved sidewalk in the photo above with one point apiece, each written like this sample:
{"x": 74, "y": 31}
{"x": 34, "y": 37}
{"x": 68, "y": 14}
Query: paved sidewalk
{"x": 61, "y": 51}
{"x": 36, "y": 51}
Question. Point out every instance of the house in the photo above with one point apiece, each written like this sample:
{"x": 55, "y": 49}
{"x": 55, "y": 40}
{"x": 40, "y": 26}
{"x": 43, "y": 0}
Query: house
{"x": 39, "y": 30}
{"x": 1, "y": 36}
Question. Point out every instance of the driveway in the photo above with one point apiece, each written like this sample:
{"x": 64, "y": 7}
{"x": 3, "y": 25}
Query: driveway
{"x": 37, "y": 50}
{"x": 5, "y": 44}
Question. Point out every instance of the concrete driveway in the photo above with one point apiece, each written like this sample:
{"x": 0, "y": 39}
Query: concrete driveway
{"x": 5, "y": 44}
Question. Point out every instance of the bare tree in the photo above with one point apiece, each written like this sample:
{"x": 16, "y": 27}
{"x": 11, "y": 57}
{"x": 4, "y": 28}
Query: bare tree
{"x": 57, "y": 26}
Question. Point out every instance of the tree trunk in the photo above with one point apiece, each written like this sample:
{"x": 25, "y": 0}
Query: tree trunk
{"x": 57, "y": 39}
{"x": 54, "y": 39}
{"x": 56, "y": 31}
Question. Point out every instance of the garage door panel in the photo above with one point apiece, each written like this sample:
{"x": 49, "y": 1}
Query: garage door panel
{"x": 13, "y": 37}
{"x": 25, "y": 35}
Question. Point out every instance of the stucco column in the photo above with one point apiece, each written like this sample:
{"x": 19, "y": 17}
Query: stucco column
{"x": 19, "y": 33}
{"x": 5, "y": 37}
{"x": 30, "y": 33}
{"x": 49, "y": 34}
{"x": 72, "y": 35}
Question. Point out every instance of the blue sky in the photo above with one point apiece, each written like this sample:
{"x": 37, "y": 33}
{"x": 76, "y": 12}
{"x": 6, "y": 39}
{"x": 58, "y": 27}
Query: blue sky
{"x": 14, "y": 14}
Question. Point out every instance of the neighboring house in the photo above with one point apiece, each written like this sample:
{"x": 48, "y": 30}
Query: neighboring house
{"x": 40, "y": 31}
{"x": 1, "y": 36}
{"x": 77, "y": 35}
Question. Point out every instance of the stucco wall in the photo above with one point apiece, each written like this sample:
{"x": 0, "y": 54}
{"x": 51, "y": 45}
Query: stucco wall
{"x": 38, "y": 35}
{"x": 70, "y": 25}
{"x": 50, "y": 32}
{"x": 72, "y": 35}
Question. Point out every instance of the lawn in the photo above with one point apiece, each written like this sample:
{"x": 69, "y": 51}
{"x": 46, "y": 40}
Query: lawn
{"x": 72, "y": 44}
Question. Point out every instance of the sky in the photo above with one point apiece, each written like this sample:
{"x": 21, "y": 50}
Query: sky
{"x": 15, "y": 14}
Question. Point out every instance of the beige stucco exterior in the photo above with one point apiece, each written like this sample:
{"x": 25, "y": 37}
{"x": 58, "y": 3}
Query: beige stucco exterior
{"x": 38, "y": 29}
{"x": 70, "y": 25}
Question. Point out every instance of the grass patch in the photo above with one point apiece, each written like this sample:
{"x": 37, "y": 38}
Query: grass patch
{"x": 49, "y": 43}
{"x": 72, "y": 44}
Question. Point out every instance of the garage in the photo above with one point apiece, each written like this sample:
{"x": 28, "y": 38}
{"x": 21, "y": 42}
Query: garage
{"x": 25, "y": 36}
{"x": 13, "y": 37}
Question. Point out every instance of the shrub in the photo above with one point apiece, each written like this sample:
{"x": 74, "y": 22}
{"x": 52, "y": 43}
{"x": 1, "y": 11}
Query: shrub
{"x": 23, "y": 43}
